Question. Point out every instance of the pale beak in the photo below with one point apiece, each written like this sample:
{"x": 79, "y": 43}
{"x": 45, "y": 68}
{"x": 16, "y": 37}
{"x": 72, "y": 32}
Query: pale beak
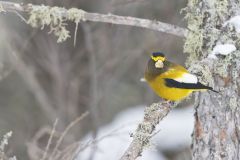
{"x": 159, "y": 64}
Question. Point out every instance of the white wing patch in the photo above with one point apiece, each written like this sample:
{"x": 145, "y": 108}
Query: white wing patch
{"x": 187, "y": 78}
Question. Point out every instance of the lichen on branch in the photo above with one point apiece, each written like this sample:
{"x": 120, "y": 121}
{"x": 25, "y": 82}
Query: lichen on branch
{"x": 3, "y": 144}
{"x": 153, "y": 114}
{"x": 194, "y": 40}
{"x": 55, "y": 18}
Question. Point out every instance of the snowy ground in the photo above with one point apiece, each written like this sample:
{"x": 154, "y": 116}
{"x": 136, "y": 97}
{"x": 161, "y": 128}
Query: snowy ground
{"x": 175, "y": 133}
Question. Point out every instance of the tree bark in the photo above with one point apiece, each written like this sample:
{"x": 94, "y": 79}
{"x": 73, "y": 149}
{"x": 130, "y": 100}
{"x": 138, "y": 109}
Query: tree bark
{"x": 153, "y": 114}
{"x": 217, "y": 118}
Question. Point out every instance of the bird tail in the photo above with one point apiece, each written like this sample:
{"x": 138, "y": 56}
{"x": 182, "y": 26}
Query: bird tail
{"x": 201, "y": 86}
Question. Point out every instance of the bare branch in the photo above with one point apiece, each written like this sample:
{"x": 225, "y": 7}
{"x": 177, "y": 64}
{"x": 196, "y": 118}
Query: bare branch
{"x": 66, "y": 131}
{"x": 152, "y": 116}
{"x": 105, "y": 18}
{"x": 50, "y": 140}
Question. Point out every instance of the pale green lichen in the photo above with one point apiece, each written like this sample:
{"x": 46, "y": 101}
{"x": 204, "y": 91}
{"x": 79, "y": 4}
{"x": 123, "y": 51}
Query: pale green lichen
{"x": 3, "y": 144}
{"x": 206, "y": 31}
{"x": 221, "y": 7}
{"x": 203, "y": 32}
{"x": 41, "y": 16}
{"x": 204, "y": 73}
{"x": 76, "y": 15}
{"x": 4, "y": 140}
{"x": 61, "y": 32}
{"x": 213, "y": 36}
{"x": 222, "y": 65}
{"x": 194, "y": 40}
{"x": 142, "y": 137}
{"x": 55, "y": 18}
{"x": 193, "y": 45}
{"x": 203, "y": 36}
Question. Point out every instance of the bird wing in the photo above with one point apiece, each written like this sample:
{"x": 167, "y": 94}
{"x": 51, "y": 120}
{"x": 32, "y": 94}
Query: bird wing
{"x": 175, "y": 84}
{"x": 186, "y": 81}
{"x": 179, "y": 74}
{"x": 176, "y": 76}
{"x": 187, "y": 78}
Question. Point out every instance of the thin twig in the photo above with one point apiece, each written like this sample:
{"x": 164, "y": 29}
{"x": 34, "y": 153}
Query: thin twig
{"x": 50, "y": 140}
{"x": 75, "y": 34}
{"x": 21, "y": 17}
{"x": 152, "y": 116}
{"x": 105, "y": 18}
{"x": 66, "y": 131}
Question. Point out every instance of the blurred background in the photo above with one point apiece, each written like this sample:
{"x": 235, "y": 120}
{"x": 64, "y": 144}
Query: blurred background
{"x": 42, "y": 81}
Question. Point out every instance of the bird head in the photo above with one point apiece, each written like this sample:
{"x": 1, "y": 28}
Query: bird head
{"x": 158, "y": 58}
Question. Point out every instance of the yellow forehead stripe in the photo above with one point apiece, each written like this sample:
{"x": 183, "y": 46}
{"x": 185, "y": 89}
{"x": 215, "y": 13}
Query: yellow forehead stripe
{"x": 158, "y": 58}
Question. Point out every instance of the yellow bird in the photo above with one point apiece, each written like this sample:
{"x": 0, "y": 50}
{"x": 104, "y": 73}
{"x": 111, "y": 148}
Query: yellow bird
{"x": 169, "y": 80}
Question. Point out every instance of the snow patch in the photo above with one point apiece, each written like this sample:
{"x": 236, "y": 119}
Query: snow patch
{"x": 235, "y": 21}
{"x": 175, "y": 133}
{"x": 222, "y": 49}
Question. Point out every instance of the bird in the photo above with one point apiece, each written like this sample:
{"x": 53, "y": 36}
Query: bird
{"x": 169, "y": 80}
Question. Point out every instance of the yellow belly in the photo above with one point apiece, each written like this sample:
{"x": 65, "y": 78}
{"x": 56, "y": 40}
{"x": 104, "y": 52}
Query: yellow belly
{"x": 173, "y": 94}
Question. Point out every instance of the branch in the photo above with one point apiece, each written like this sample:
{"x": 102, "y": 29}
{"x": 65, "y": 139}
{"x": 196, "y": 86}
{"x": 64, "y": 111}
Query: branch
{"x": 152, "y": 116}
{"x": 96, "y": 17}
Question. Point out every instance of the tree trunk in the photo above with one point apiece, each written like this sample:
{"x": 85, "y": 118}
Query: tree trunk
{"x": 217, "y": 118}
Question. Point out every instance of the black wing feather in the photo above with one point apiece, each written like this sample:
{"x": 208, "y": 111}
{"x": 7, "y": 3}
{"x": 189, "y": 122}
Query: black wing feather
{"x": 175, "y": 84}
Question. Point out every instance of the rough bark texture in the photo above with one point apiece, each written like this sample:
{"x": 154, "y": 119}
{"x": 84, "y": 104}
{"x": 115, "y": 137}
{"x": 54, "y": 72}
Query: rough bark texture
{"x": 217, "y": 118}
{"x": 153, "y": 114}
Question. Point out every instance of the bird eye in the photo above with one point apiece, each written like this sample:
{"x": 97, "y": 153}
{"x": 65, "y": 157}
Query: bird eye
{"x": 159, "y": 64}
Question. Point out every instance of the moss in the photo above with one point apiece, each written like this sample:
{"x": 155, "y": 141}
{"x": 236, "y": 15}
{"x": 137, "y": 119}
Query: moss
{"x": 55, "y": 18}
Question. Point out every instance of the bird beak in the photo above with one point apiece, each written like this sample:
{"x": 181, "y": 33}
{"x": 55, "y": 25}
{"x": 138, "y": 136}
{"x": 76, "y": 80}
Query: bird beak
{"x": 159, "y": 64}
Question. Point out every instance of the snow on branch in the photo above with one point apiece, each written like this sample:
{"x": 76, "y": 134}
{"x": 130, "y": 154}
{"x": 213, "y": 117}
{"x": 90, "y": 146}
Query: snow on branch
{"x": 153, "y": 114}
{"x": 55, "y": 17}
{"x": 234, "y": 21}
{"x": 222, "y": 49}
